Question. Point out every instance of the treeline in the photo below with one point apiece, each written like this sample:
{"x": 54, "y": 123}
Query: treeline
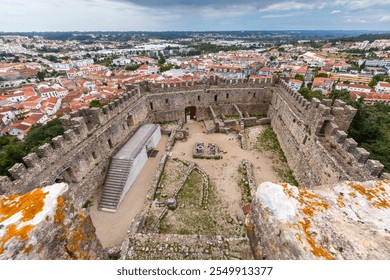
{"x": 211, "y": 48}
{"x": 370, "y": 127}
{"x": 13, "y": 150}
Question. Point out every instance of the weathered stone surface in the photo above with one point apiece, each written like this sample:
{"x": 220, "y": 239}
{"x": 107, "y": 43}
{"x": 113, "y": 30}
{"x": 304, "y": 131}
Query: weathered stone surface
{"x": 181, "y": 247}
{"x": 43, "y": 224}
{"x": 348, "y": 220}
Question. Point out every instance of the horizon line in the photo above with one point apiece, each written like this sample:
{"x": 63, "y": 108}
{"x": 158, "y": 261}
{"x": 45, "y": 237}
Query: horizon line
{"x": 236, "y": 30}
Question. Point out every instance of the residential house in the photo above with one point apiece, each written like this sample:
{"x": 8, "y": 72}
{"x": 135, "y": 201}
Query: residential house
{"x": 383, "y": 87}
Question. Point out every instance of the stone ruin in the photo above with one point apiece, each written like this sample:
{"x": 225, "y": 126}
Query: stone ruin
{"x": 212, "y": 151}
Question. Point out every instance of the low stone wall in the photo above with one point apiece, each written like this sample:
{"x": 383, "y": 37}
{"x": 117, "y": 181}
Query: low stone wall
{"x": 181, "y": 247}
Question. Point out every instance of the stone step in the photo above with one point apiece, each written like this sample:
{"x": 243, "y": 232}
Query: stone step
{"x": 120, "y": 165}
{"x": 111, "y": 192}
{"x": 117, "y": 175}
{"x": 114, "y": 183}
{"x": 110, "y": 200}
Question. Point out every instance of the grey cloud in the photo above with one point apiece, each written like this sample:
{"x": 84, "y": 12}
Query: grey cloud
{"x": 217, "y": 4}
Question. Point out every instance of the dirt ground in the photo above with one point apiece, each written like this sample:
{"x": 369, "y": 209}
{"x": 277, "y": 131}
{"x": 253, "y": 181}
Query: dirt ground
{"x": 223, "y": 173}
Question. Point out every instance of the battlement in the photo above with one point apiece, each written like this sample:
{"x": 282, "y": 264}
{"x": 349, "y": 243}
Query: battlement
{"x": 337, "y": 111}
{"x": 203, "y": 84}
{"x": 318, "y": 130}
{"x": 79, "y": 127}
{"x": 312, "y": 134}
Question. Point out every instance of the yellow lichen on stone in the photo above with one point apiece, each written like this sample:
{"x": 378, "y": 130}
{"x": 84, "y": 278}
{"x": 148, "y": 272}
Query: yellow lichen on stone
{"x": 29, "y": 204}
{"x": 377, "y": 195}
{"x": 28, "y": 249}
{"x": 59, "y": 216}
{"x": 316, "y": 250}
{"x": 13, "y": 231}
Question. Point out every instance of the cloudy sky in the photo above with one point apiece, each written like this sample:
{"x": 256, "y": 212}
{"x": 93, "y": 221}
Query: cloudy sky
{"x": 162, "y": 15}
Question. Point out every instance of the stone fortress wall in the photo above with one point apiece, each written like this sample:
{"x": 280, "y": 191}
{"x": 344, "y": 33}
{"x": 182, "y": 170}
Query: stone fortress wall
{"x": 312, "y": 135}
{"x": 314, "y": 139}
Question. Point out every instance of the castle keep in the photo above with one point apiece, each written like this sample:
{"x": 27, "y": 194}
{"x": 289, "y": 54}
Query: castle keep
{"x": 312, "y": 134}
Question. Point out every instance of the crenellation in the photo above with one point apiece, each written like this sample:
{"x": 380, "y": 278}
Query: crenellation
{"x": 327, "y": 102}
{"x": 31, "y": 160}
{"x": 330, "y": 129}
{"x": 349, "y": 145}
{"x": 340, "y": 136}
{"x": 58, "y": 142}
{"x": 360, "y": 154}
{"x": 66, "y": 122}
{"x": 323, "y": 110}
{"x": 17, "y": 171}
{"x": 70, "y": 135}
{"x": 339, "y": 103}
{"x": 314, "y": 103}
{"x": 46, "y": 150}
{"x": 80, "y": 127}
{"x": 5, "y": 184}
{"x": 374, "y": 167}
{"x": 331, "y": 156}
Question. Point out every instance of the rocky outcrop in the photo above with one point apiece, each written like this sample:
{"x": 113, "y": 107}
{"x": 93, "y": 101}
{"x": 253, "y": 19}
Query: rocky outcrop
{"x": 349, "y": 220}
{"x": 44, "y": 224}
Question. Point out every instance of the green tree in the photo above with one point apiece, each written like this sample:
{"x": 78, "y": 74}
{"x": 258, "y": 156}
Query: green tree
{"x": 300, "y": 77}
{"x": 132, "y": 67}
{"x": 97, "y": 104}
{"x": 310, "y": 94}
{"x": 322, "y": 75}
{"x": 12, "y": 150}
{"x": 161, "y": 58}
{"x": 41, "y": 75}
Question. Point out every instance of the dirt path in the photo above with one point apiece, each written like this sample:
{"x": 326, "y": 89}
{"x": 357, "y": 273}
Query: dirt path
{"x": 111, "y": 228}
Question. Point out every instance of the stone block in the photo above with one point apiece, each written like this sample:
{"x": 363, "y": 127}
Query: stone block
{"x": 17, "y": 171}
{"x": 46, "y": 150}
{"x": 66, "y": 122}
{"x": 4, "y": 182}
{"x": 324, "y": 110}
{"x": 374, "y": 167}
{"x": 337, "y": 111}
{"x": 350, "y": 110}
{"x": 70, "y": 135}
{"x": 31, "y": 160}
{"x": 339, "y": 103}
{"x": 326, "y": 102}
{"x": 340, "y": 136}
{"x": 350, "y": 145}
{"x": 58, "y": 141}
{"x": 314, "y": 103}
{"x": 361, "y": 155}
{"x": 331, "y": 128}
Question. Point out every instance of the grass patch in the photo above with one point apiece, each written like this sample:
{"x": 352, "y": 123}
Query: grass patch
{"x": 87, "y": 204}
{"x": 246, "y": 196}
{"x": 259, "y": 117}
{"x": 268, "y": 141}
{"x": 190, "y": 217}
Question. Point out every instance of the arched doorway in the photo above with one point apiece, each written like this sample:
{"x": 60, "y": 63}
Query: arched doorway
{"x": 190, "y": 113}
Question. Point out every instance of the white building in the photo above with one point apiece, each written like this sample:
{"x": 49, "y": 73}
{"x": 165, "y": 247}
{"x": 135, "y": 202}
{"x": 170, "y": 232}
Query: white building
{"x": 127, "y": 164}
{"x": 295, "y": 83}
{"x": 383, "y": 87}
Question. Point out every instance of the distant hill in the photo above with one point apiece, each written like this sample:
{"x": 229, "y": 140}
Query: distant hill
{"x": 278, "y": 35}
